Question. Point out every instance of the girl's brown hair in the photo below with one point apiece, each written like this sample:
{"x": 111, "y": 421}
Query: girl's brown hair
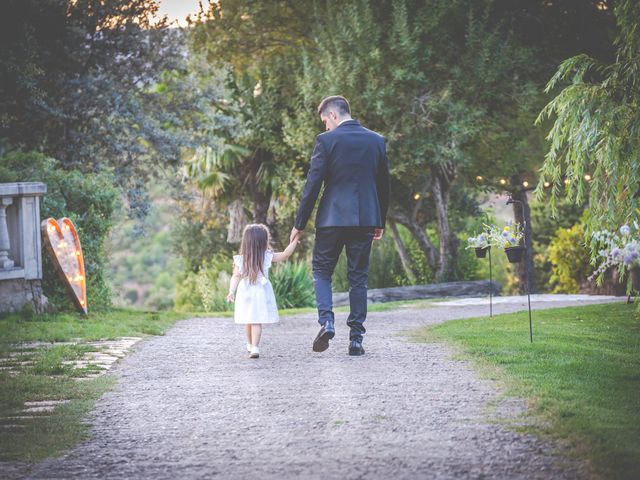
{"x": 255, "y": 240}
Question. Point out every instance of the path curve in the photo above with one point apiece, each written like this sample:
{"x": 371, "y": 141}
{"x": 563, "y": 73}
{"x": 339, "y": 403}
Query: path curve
{"x": 191, "y": 405}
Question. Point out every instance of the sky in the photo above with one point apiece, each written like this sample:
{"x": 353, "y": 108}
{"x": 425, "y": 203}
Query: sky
{"x": 179, "y": 9}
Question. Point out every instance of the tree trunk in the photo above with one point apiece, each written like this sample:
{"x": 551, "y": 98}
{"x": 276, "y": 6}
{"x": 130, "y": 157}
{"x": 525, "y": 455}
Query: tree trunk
{"x": 237, "y": 221}
{"x": 440, "y": 188}
{"x": 417, "y": 231}
{"x": 261, "y": 192}
{"x": 261, "y": 202}
{"x": 404, "y": 255}
{"x": 272, "y": 224}
{"x": 522, "y": 214}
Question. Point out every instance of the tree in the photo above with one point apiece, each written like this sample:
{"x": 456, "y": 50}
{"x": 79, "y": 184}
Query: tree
{"x": 595, "y": 137}
{"x": 79, "y": 83}
{"x": 258, "y": 43}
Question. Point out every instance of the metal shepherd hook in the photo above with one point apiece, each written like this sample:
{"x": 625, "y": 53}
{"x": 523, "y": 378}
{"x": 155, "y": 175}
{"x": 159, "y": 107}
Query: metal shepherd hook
{"x": 526, "y": 269}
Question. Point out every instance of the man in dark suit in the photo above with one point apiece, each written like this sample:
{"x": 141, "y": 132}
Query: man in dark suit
{"x": 352, "y": 163}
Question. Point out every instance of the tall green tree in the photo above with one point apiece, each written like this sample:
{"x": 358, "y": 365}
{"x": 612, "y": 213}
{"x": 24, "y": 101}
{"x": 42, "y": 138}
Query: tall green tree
{"x": 258, "y": 42}
{"x": 595, "y": 137}
{"x": 80, "y": 84}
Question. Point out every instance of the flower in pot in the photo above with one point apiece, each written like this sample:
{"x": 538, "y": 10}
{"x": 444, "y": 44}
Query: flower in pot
{"x": 509, "y": 238}
{"x": 480, "y": 243}
{"x": 621, "y": 250}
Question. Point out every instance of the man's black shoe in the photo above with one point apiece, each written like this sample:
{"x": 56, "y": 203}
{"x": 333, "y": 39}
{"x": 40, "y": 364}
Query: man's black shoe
{"x": 326, "y": 333}
{"x": 355, "y": 348}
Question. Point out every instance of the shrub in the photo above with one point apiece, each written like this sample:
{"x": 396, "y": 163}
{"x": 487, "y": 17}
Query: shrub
{"x": 88, "y": 200}
{"x": 569, "y": 258}
{"x": 293, "y": 285}
{"x": 187, "y": 297}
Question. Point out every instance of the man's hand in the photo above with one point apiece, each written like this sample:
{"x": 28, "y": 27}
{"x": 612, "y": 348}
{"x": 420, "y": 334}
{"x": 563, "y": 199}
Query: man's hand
{"x": 295, "y": 234}
{"x": 377, "y": 233}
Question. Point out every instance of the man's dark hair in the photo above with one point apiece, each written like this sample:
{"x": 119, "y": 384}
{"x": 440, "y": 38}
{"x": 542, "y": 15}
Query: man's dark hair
{"x": 338, "y": 102}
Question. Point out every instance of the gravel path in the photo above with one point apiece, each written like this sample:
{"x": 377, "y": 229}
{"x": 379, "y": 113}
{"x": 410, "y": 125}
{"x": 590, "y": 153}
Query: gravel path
{"x": 191, "y": 405}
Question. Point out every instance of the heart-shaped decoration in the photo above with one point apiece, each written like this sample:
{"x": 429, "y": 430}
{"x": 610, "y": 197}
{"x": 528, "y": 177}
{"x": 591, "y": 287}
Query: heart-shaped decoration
{"x": 63, "y": 245}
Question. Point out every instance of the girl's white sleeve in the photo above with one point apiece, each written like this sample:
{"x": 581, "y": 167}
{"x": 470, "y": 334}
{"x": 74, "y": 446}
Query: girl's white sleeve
{"x": 268, "y": 258}
{"x": 237, "y": 261}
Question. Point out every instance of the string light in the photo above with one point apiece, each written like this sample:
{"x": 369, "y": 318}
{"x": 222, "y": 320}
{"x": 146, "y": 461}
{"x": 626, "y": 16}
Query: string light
{"x": 479, "y": 178}
{"x": 503, "y": 181}
{"x": 547, "y": 184}
{"x": 525, "y": 184}
{"x": 587, "y": 177}
{"x": 416, "y": 196}
{"x": 567, "y": 181}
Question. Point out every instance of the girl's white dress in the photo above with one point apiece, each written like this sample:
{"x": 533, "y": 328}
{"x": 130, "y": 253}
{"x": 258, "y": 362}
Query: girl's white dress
{"x": 255, "y": 303}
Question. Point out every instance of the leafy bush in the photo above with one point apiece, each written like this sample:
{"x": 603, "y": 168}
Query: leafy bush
{"x": 293, "y": 285}
{"x": 569, "y": 258}
{"x": 187, "y": 297}
{"x": 545, "y": 227}
{"x": 88, "y": 200}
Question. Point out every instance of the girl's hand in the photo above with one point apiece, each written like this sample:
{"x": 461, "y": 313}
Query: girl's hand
{"x": 231, "y": 297}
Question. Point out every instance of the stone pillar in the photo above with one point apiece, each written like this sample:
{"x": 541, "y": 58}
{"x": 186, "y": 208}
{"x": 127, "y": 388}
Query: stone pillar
{"x": 21, "y": 246}
{"x": 5, "y": 242}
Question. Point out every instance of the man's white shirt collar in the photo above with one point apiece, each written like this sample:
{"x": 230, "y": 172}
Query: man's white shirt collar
{"x": 345, "y": 120}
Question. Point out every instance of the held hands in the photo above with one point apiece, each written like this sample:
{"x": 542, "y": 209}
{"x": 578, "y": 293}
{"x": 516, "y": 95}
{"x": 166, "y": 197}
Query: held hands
{"x": 295, "y": 235}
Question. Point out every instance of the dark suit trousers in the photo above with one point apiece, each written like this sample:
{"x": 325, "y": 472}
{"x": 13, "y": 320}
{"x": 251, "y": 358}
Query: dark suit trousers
{"x": 326, "y": 251}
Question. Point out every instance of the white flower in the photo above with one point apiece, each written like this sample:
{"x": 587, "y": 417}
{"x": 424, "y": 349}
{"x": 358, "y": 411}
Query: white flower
{"x": 625, "y": 230}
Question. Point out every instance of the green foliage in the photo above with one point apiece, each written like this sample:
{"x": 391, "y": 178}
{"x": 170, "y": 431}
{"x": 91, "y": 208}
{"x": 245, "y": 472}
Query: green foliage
{"x": 293, "y": 285}
{"x": 88, "y": 200}
{"x": 597, "y": 127}
{"x": 211, "y": 284}
{"x": 580, "y": 374}
{"x": 569, "y": 257}
{"x": 188, "y": 298}
{"x": 545, "y": 226}
{"x": 67, "y": 326}
{"x": 142, "y": 264}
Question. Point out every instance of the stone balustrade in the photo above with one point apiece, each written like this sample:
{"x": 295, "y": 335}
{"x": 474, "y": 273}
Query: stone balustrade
{"x": 20, "y": 246}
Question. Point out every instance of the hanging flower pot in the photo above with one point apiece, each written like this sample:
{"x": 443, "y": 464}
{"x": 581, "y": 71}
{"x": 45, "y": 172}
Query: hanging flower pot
{"x": 635, "y": 278}
{"x": 514, "y": 254}
{"x": 481, "y": 252}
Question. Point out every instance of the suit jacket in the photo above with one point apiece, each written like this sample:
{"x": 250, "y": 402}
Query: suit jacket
{"x": 352, "y": 163}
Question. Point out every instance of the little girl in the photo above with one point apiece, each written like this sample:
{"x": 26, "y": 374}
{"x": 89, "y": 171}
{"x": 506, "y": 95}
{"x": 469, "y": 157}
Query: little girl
{"x": 256, "y": 303}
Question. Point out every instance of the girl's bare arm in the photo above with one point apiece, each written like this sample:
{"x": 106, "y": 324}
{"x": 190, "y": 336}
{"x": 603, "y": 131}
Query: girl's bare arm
{"x": 233, "y": 284}
{"x": 282, "y": 256}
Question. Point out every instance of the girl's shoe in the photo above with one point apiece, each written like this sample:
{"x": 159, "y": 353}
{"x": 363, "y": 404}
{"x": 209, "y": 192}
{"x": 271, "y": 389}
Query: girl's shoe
{"x": 249, "y": 347}
{"x": 254, "y": 352}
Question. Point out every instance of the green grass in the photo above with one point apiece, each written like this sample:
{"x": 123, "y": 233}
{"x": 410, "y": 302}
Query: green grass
{"x": 581, "y": 374}
{"x": 51, "y": 435}
{"x": 48, "y": 378}
{"x": 70, "y": 326}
